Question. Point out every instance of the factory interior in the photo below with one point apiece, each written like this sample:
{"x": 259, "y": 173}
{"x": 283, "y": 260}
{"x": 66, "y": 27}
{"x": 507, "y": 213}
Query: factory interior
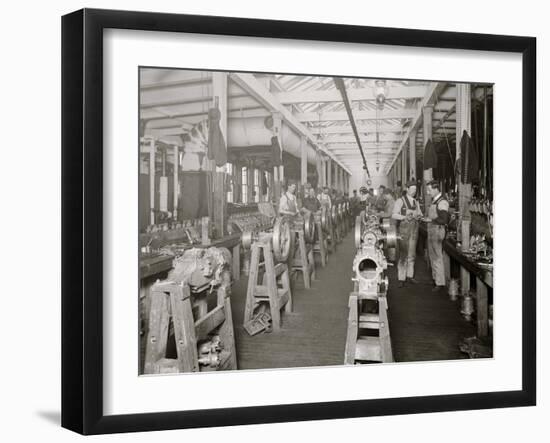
{"x": 300, "y": 220}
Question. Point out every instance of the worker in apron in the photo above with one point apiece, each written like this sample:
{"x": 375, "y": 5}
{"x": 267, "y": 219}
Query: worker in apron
{"x": 407, "y": 212}
{"x": 381, "y": 200}
{"x": 287, "y": 203}
{"x": 324, "y": 198}
{"x": 437, "y": 219}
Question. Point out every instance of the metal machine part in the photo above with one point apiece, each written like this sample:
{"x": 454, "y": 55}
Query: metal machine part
{"x": 309, "y": 226}
{"x": 201, "y": 267}
{"x": 368, "y": 336}
{"x": 334, "y": 214}
{"x": 278, "y": 235}
{"x": 322, "y": 216}
{"x": 369, "y": 230}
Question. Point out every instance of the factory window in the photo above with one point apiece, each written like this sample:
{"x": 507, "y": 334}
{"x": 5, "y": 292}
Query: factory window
{"x": 257, "y": 185}
{"x": 244, "y": 185}
{"x": 230, "y": 190}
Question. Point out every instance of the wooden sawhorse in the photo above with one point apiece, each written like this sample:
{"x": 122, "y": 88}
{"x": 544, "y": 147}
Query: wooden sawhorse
{"x": 301, "y": 257}
{"x": 171, "y": 303}
{"x": 363, "y": 348}
{"x": 321, "y": 244}
{"x": 275, "y": 286}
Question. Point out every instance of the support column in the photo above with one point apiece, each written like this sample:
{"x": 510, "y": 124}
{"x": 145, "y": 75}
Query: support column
{"x": 303, "y": 158}
{"x": 176, "y": 180}
{"x": 152, "y": 153}
{"x": 427, "y": 114}
{"x": 329, "y": 175}
{"x": 219, "y": 195}
{"x": 403, "y": 167}
{"x": 412, "y": 155}
{"x": 278, "y": 171}
{"x": 463, "y": 123}
{"x": 319, "y": 167}
{"x": 250, "y": 182}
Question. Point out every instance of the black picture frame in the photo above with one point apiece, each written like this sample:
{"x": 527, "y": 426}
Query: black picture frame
{"x": 82, "y": 218}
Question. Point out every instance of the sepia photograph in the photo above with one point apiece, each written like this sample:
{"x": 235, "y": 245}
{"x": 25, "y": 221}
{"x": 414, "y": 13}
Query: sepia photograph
{"x": 297, "y": 220}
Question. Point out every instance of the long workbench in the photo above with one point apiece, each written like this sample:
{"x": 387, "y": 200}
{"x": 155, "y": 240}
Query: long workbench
{"x": 151, "y": 264}
{"x": 468, "y": 267}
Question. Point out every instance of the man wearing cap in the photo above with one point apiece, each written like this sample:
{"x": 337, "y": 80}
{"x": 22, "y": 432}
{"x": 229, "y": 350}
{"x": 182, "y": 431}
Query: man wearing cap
{"x": 311, "y": 203}
{"x": 354, "y": 204}
{"x": 389, "y": 203}
{"x": 406, "y": 212}
{"x": 324, "y": 198}
{"x": 381, "y": 200}
{"x": 288, "y": 204}
{"x": 438, "y": 218}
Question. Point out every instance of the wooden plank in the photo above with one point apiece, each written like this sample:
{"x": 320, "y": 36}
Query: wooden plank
{"x": 236, "y": 262}
{"x": 369, "y": 321}
{"x": 184, "y": 329}
{"x": 149, "y": 266}
{"x": 206, "y": 324}
{"x": 252, "y": 283}
{"x": 386, "y": 353}
{"x": 368, "y": 349}
{"x": 351, "y": 339}
{"x": 227, "y": 335}
{"x": 271, "y": 281}
{"x": 157, "y": 337}
{"x": 166, "y": 366}
{"x": 464, "y": 280}
{"x": 482, "y": 309}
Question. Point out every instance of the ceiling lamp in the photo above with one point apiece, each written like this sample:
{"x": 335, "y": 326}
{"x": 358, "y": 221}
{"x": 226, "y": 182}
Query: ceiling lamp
{"x": 380, "y": 92}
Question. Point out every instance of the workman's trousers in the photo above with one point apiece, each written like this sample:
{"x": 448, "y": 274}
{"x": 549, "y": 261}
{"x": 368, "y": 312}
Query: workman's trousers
{"x": 407, "y": 249}
{"x": 436, "y": 235}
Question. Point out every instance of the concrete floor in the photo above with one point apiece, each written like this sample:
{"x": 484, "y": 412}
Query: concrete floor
{"x": 423, "y": 325}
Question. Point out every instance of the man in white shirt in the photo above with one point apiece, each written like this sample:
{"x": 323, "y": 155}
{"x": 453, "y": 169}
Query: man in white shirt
{"x": 287, "y": 203}
{"x": 438, "y": 218}
{"x": 324, "y": 198}
{"x": 407, "y": 213}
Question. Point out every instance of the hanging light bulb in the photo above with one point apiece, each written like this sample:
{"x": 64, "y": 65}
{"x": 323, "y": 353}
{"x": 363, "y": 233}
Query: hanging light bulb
{"x": 380, "y": 92}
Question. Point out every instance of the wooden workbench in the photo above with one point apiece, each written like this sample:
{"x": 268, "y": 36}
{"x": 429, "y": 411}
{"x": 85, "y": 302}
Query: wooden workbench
{"x": 150, "y": 264}
{"x": 483, "y": 276}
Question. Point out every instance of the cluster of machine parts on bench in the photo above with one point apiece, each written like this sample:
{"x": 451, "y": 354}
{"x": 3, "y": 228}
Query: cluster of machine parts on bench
{"x": 202, "y": 267}
{"x": 280, "y": 234}
{"x": 239, "y": 223}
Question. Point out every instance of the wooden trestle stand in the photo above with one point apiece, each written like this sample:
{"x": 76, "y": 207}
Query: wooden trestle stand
{"x": 320, "y": 245}
{"x": 359, "y": 347}
{"x": 303, "y": 232}
{"x": 204, "y": 342}
{"x": 273, "y": 271}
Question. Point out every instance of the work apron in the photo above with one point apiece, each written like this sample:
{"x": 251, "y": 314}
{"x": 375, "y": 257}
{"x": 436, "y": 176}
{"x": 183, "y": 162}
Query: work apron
{"x": 436, "y": 235}
{"x": 408, "y": 231}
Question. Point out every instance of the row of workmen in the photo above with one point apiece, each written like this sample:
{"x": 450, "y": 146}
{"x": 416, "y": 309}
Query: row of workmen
{"x": 403, "y": 209}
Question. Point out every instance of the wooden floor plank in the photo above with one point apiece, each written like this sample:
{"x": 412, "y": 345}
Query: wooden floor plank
{"x": 423, "y": 325}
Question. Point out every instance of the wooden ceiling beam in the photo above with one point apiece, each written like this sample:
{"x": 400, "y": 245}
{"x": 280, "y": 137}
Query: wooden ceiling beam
{"x": 357, "y": 94}
{"x": 385, "y": 114}
{"x": 253, "y": 87}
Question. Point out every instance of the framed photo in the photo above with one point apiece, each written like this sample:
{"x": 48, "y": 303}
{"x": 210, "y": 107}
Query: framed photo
{"x": 270, "y": 221}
